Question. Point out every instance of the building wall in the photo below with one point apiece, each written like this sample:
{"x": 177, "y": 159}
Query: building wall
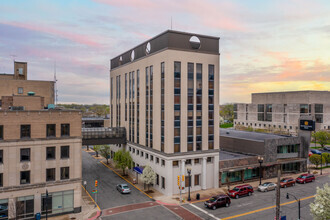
{"x": 242, "y": 145}
{"x": 12, "y": 120}
{"x": 29, "y": 102}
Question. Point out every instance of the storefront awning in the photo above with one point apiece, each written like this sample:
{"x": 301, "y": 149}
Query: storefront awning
{"x": 139, "y": 170}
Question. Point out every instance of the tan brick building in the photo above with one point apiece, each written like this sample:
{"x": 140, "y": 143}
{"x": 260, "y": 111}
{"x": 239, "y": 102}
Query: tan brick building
{"x": 40, "y": 150}
{"x": 17, "y": 84}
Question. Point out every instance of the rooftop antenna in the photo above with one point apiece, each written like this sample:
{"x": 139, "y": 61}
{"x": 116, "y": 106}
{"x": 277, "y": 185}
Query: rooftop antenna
{"x": 55, "y": 81}
{"x": 171, "y": 22}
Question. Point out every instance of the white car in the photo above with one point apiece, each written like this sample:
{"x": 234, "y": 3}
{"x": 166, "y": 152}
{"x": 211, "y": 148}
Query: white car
{"x": 265, "y": 187}
{"x": 123, "y": 188}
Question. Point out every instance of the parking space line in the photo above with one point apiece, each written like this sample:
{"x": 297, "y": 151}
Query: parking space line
{"x": 202, "y": 210}
{"x": 266, "y": 208}
{"x": 126, "y": 180}
{"x": 91, "y": 197}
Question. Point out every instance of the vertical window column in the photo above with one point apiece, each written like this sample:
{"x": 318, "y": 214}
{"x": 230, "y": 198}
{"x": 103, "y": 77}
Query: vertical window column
{"x": 129, "y": 107}
{"x": 190, "y": 119}
{"x": 125, "y": 96}
{"x": 138, "y": 106}
{"x": 199, "y": 88}
{"x": 151, "y": 106}
{"x": 133, "y": 106}
{"x": 162, "y": 72}
{"x": 177, "y": 105}
{"x": 211, "y": 107}
{"x": 111, "y": 97}
{"x": 147, "y": 106}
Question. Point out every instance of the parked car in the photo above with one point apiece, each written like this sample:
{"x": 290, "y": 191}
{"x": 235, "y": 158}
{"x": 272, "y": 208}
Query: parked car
{"x": 314, "y": 151}
{"x": 305, "y": 178}
{"x": 218, "y": 201}
{"x": 288, "y": 181}
{"x": 241, "y": 190}
{"x": 327, "y": 149}
{"x": 123, "y": 188}
{"x": 310, "y": 153}
{"x": 265, "y": 187}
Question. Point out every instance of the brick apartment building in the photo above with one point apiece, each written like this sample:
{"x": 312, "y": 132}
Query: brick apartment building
{"x": 40, "y": 150}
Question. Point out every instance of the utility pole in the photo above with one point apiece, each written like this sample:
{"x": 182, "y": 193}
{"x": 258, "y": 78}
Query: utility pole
{"x": 278, "y": 194}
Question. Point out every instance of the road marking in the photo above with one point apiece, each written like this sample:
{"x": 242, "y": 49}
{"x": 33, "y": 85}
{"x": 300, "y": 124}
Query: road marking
{"x": 126, "y": 180}
{"x": 266, "y": 208}
{"x": 202, "y": 210}
{"x": 91, "y": 197}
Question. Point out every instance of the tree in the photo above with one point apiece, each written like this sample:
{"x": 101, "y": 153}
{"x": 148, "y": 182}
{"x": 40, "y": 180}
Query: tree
{"x": 105, "y": 152}
{"x": 227, "y": 112}
{"x": 97, "y": 149}
{"x": 148, "y": 176}
{"x": 123, "y": 160}
{"x": 322, "y": 136}
{"x": 320, "y": 209}
{"x": 316, "y": 159}
{"x": 326, "y": 157}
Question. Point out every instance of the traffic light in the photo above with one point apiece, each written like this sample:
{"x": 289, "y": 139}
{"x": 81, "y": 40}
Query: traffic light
{"x": 95, "y": 183}
{"x": 182, "y": 178}
{"x": 178, "y": 180}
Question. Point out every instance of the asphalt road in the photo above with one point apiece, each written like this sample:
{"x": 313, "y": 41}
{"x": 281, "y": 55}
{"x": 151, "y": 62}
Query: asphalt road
{"x": 245, "y": 205}
{"x": 108, "y": 196}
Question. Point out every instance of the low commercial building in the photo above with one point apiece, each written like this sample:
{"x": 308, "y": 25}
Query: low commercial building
{"x": 279, "y": 112}
{"x": 240, "y": 151}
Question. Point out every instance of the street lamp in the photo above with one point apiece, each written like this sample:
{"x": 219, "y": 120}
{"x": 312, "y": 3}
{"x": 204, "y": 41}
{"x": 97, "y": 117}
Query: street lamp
{"x": 298, "y": 200}
{"x": 189, "y": 175}
{"x": 260, "y": 160}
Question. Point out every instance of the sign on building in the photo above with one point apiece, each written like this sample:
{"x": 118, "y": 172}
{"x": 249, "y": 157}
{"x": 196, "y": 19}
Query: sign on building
{"x": 307, "y": 125}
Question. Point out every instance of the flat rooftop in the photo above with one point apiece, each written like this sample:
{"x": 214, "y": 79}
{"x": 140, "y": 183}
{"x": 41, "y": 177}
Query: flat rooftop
{"x": 249, "y": 135}
{"x": 226, "y": 155}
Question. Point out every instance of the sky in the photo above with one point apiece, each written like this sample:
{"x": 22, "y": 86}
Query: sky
{"x": 265, "y": 46}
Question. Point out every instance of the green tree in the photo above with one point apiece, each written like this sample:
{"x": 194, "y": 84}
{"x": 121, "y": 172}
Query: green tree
{"x": 322, "y": 136}
{"x": 148, "y": 176}
{"x": 320, "y": 208}
{"x": 326, "y": 157}
{"x": 123, "y": 160}
{"x": 316, "y": 160}
{"x": 97, "y": 149}
{"x": 227, "y": 112}
{"x": 105, "y": 152}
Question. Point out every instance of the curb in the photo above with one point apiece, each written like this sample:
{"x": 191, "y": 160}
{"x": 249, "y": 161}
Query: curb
{"x": 98, "y": 213}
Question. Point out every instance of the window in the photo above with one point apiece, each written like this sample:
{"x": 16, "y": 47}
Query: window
{"x": 209, "y": 159}
{"x": 51, "y": 130}
{"x": 163, "y": 183}
{"x": 157, "y": 179}
{"x": 1, "y": 132}
{"x": 1, "y": 182}
{"x": 25, "y": 154}
{"x": 175, "y": 163}
{"x": 25, "y": 131}
{"x": 261, "y": 108}
{"x": 303, "y": 108}
{"x": 151, "y": 158}
{"x": 269, "y": 108}
{"x": 25, "y": 177}
{"x": 196, "y": 161}
{"x": 163, "y": 162}
{"x": 50, "y": 174}
{"x": 157, "y": 160}
{"x": 20, "y": 71}
{"x": 319, "y": 118}
{"x": 197, "y": 177}
{"x": 318, "y": 108}
{"x": 141, "y": 153}
{"x": 65, "y": 173}
{"x": 65, "y": 152}
{"x": 57, "y": 202}
{"x": 147, "y": 156}
{"x": 1, "y": 156}
{"x": 50, "y": 153}
{"x": 65, "y": 130}
{"x": 25, "y": 207}
{"x": 20, "y": 90}
{"x": 188, "y": 162}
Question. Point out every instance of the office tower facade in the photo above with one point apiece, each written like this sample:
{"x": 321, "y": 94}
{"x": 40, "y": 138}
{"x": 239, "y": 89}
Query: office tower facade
{"x": 170, "y": 108}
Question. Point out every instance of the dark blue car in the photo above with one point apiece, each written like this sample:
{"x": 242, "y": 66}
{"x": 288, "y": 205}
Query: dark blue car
{"x": 316, "y": 151}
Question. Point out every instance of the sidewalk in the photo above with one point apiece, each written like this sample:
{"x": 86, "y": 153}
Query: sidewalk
{"x": 89, "y": 211}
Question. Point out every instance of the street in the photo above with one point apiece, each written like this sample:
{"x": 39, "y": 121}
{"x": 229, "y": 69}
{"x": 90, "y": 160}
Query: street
{"x": 262, "y": 205}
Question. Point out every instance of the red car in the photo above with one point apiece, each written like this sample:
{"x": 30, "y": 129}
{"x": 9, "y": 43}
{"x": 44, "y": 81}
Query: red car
{"x": 288, "y": 181}
{"x": 218, "y": 201}
{"x": 310, "y": 154}
{"x": 305, "y": 178}
{"x": 242, "y": 190}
